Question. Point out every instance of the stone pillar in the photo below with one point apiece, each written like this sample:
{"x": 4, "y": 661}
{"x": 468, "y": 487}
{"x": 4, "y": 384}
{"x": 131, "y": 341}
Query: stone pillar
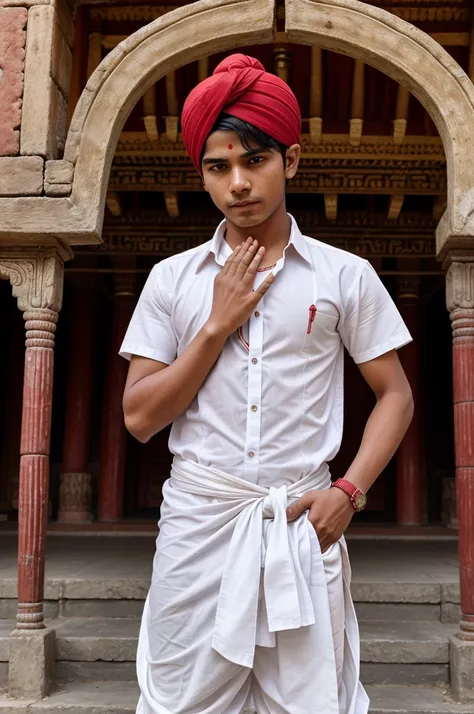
{"x": 409, "y": 454}
{"x": 114, "y": 435}
{"x": 460, "y": 303}
{"x": 76, "y": 483}
{"x": 36, "y": 276}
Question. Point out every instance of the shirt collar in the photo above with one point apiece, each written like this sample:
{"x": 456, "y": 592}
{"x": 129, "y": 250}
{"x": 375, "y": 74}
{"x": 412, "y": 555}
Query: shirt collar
{"x": 221, "y": 249}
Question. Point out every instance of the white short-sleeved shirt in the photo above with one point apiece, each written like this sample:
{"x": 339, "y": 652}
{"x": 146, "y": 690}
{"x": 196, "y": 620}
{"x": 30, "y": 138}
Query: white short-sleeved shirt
{"x": 271, "y": 409}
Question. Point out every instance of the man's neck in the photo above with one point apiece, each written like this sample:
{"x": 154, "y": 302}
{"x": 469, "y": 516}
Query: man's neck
{"x": 273, "y": 234}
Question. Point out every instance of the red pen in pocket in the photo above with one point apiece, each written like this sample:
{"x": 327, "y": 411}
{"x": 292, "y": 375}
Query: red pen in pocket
{"x": 312, "y": 314}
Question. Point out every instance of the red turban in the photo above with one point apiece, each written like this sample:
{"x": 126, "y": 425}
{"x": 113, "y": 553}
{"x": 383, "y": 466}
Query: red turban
{"x": 241, "y": 87}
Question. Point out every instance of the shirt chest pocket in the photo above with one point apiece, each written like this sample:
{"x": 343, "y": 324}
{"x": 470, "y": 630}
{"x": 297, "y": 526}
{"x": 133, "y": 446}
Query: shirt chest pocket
{"x": 320, "y": 335}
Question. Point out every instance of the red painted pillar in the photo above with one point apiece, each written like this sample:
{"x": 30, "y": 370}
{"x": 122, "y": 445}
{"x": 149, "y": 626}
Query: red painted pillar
{"x": 460, "y": 301}
{"x": 76, "y": 483}
{"x": 409, "y": 454}
{"x": 34, "y": 465}
{"x": 113, "y": 434}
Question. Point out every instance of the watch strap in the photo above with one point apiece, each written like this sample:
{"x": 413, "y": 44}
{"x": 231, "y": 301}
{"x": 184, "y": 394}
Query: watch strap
{"x": 357, "y": 497}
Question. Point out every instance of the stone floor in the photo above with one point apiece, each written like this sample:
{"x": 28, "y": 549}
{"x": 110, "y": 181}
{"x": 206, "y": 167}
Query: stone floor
{"x": 82, "y": 562}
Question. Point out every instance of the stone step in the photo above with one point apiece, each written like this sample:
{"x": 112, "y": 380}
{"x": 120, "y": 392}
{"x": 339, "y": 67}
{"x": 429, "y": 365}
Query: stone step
{"x": 115, "y": 640}
{"x": 121, "y": 698}
{"x": 374, "y": 600}
{"x": 105, "y": 648}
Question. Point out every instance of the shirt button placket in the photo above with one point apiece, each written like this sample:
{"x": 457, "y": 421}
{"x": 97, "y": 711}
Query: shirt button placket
{"x": 254, "y": 396}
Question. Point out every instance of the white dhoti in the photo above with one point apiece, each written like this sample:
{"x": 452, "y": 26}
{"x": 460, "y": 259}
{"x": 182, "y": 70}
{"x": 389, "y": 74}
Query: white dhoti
{"x": 244, "y": 611}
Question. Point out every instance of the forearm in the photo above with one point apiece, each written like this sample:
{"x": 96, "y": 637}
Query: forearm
{"x": 158, "y": 399}
{"x": 383, "y": 433}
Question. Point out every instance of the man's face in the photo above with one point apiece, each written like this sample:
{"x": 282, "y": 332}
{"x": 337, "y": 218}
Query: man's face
{"x": 247, "y": 186}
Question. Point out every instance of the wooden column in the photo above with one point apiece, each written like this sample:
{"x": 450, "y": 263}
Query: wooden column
{"x": 76, "y": 483}
{"x": 460, "y": 302}
{"x": 114, "y": 435}
{"x": 409, "y": 454}
{"x": 36, "y": 277}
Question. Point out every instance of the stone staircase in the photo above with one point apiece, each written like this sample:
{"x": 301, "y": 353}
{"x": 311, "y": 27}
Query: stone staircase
{"x": 405, "y": 627}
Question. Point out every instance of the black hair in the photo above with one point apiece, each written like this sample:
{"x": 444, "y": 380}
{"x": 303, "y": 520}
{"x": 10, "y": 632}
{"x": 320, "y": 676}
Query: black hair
{"x": 248, "y": 135}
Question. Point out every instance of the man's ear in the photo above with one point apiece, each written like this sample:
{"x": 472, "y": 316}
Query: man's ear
{"x": 293, "y": 154}
{"x": 204, "y": 186}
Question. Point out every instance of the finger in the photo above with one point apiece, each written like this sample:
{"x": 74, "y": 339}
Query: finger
{"x": 253, "y": 265}
{"x": 297, "y": 508}
{"x": 237, "y": 257}
{"x": 262, "y": 289}
{"x": 246, "y": 259}
{"x": 229, "y": 260}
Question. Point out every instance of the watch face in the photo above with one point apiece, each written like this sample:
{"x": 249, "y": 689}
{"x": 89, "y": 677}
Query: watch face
{"x": 360, "y": 501}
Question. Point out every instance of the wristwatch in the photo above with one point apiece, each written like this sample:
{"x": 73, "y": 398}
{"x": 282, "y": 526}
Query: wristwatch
{"x": 358, "y": 497}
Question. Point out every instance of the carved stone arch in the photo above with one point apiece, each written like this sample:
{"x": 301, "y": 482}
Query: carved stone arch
{"x": 351, "y": 27}
{"x": 414, "y": 59}
{"x": 173, "y": 40}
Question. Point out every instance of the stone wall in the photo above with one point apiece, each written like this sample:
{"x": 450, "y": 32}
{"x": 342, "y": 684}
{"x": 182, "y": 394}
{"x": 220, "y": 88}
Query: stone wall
{"x": 36, "y": 38}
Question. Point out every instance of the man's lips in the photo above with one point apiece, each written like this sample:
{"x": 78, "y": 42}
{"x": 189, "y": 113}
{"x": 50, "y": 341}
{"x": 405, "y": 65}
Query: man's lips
{"x": 242, "y": 204}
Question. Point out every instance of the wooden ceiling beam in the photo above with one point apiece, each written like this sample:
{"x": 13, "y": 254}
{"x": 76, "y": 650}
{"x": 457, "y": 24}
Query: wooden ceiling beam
{"x": 282, "y": 63}
{"x": 451, "y": 39}
{"x": 203, "y": 68}
{"x": 173, "y": 110}
{"x": 113, "y": 203}
{"x": 94, "y": 52}
{"x": 316, "y": 95}
{"x": 358, "y": 101}
{"x": 149, "y": 114}
{"x": 401, "y": 115}
{"x": 172, "y": 204}
{"x": 330, "y": 206}
{"x": 395, "y": 206}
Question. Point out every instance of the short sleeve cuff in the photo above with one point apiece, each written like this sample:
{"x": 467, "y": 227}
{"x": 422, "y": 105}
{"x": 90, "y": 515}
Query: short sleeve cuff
{"x": 393, "y": 343}
{"x": 128, "y": 349}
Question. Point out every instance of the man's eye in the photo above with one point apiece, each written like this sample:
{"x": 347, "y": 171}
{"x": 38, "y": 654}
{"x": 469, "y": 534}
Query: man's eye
{"x": 256, "y": 159}
{"x": 218, "y": 167}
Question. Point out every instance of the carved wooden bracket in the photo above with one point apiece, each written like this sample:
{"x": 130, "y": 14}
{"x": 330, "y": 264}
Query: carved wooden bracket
{"x": 36, "y": 276}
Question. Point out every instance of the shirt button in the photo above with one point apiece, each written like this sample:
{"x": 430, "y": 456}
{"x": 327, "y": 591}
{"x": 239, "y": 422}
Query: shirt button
{"x": 254, "y": 408}
{"x": 257, "y": 314}
{"x": 255, "y": 360}
{"x": 251, "y": 454}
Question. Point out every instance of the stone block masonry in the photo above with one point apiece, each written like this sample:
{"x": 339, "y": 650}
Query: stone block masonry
{"x": 12, "y": 59}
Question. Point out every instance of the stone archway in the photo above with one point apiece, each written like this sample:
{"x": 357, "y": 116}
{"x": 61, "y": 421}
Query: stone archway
{"x": 347, "y": 26}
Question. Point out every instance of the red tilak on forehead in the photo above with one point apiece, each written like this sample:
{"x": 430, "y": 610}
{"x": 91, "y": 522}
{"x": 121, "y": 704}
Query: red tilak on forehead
{"x": 230, "y": 146}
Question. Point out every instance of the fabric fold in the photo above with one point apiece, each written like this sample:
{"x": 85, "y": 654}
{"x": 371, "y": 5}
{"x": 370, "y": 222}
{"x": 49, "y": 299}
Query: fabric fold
{"x": 236, "y": 590}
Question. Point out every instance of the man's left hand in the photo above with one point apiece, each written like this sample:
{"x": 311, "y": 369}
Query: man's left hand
{"x": 330, "y": 512}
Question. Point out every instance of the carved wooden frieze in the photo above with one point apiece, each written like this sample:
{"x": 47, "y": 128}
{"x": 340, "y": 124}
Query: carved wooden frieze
{"x": 315, "y": 179}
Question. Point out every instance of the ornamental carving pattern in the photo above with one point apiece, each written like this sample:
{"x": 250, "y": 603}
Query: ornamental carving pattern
{"x": 460, "y": 286}
{"x": 133, "y": 144}
{"x": 308, "y": 180}
{"x": 307, "y": 220}
{"x": 164, "y": 246}
{"x": 432, "y": 14}
{"x": 36, "y": 279}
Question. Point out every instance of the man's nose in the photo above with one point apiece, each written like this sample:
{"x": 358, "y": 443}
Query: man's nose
{"x": 239, "y": 181}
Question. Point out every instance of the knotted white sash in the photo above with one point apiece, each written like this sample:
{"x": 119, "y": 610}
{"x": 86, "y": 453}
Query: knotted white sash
{"x": 265, "y": 550}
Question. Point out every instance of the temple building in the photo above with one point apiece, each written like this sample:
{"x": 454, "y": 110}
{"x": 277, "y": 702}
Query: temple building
{"x": 96, "y": 187}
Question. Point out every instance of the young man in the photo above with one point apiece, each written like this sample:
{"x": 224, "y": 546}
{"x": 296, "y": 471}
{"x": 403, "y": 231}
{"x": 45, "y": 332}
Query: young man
{"x": 239, "y": 343}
